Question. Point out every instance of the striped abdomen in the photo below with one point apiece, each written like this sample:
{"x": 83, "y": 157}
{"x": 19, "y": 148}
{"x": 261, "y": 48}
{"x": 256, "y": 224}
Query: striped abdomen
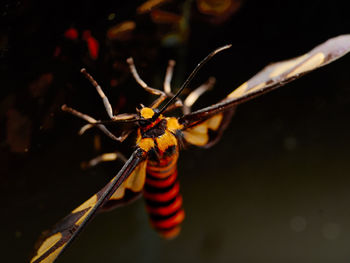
{"x": 163, "y": 198}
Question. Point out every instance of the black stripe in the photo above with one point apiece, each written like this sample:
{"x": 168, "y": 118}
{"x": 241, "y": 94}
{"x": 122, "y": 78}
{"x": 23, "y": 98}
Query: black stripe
{"x": 153, "y": 153}
{"x": 154, "y": 173}
{"x": 157, "y": 218}
{"x": 152, "y": 203}
{"x": 170, "y": 151}
{"x": 155, "y": 131}
{"x": 154, "y": 190}
{"x": 155, "y": 163}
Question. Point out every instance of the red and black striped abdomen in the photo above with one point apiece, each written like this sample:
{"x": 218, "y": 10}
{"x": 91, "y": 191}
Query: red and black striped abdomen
{"x": 163, "y": 198}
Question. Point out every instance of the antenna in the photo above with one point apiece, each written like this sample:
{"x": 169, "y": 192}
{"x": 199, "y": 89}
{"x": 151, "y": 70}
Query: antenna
{"x": 190, "y": 77}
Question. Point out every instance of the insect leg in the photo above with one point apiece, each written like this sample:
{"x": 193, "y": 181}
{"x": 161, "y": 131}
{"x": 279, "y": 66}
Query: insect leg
{"x": 168, "y": 77}
{"x": 162, "y": 95}
{"x": 105, "y": 100}
{"x": 167, "y": 87}
{"x": 194, "y": 95}
{"x": 106, "y": 157}
{"x": 92, "y": 122}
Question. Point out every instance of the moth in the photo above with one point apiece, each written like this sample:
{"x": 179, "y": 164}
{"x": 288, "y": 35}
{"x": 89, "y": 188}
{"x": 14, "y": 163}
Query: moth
{"x": 151, "y": 169}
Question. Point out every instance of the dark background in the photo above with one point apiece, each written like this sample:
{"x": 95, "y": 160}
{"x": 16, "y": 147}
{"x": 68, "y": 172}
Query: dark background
{"x": 274, "y": 189}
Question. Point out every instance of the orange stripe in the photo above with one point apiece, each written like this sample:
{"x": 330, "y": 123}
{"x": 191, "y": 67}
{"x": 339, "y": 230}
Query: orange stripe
{"x": 176, "y": 205}
{"x": 162, "y": 183}
{"x": 163, "y": 197}
{"x": 152, "y": 124}
{"x": 170, "y": 222}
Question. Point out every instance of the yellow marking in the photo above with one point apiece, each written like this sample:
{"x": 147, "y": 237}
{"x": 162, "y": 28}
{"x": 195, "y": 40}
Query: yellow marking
{"x": 119, "y": 193}
{"x": 239, "y": 91}
{"x": 147, "y": 113}
{"x": 311, "y": 63}
{"x": 48, "y": 243}
{"x": 256, "y": 88}
{"x": 87, "y": 204}
{"x": 197, "y": 135}
{"x": 166, "y": 140}
{"x": 173, "y": 124}
{"x": 135, "y": 182}
{"x": 214, "y": 122}
{"x": 284, "y": 66}
{"x": 52, "y": 257}
{"x": 146, "y": 144}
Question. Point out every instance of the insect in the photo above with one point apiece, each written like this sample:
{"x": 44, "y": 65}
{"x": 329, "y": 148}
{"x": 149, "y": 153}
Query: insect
{"x": 151, "y": 169}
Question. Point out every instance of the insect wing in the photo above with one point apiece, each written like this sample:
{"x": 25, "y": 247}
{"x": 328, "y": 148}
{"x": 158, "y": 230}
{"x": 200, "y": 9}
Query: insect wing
{"x": 129, "y": 190}
{"x": 208, "y": 132}
{"x": 280, "y": 73}
{"x": 274, "y": 76}
{"x": 54, "y": 242}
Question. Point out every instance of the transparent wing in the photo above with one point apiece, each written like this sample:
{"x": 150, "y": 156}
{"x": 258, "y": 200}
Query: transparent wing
{"x": 129, "y": 190}
{"x": 271, "y": 77}
{"x": 54, "y": 242}
{"x": 208, "y": 132}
